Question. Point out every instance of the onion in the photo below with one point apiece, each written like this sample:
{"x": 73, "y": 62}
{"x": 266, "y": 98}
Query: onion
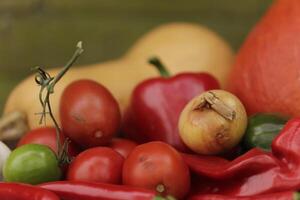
{"x": 4, "y": 153}
{"x": 213, "y": 122}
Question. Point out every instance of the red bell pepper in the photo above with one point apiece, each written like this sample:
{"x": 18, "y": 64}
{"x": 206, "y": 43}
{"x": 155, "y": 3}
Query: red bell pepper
{"x": 17, "y": 191}
{"x": 79, "y": 190}
{"x": 157, "y": 103}
{"x": 287, "y": 195}
{"x": 255, "y": 172}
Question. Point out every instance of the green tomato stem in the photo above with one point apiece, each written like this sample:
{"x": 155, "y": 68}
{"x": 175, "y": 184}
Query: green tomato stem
{"x": 47, "y": 82}
{"x": 75, "y": 56}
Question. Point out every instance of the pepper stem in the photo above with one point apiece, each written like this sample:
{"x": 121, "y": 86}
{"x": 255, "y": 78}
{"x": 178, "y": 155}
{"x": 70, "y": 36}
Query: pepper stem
{"x": 159, "y": 66}
{"x": 47, "y": 84}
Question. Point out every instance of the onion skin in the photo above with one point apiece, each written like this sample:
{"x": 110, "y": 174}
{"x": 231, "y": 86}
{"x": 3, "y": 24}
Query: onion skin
{"x": 4, "y": 153}
{"x": 213, "y": 122}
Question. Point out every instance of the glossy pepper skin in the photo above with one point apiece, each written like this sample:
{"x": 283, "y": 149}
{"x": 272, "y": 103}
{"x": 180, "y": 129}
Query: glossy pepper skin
{"x": 79, "y": 190}
{"x": 286, "y": 195}
{"x": 156, "y": 104}
{"x": 255, "y": 172}
{"x": 17, "y": 191}
{"x": 262, "y": 129}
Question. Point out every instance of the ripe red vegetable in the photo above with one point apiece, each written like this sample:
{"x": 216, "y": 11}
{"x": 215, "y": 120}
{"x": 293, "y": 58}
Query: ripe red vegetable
{"x": 98, "y": 164}
{"x": 89, "y": 113}
{"x": 18, "y": 191}
{"x": 157, "y": 166}
{"x": 286, "y": 195}
{"x": 266, "y": 74}
{"x": 46, "y": 136}
{"x": 156, "y": 104}
{"x": 78, "y": 190}
{"x": 253, "y": 173}
{"x": 122, "y": 146}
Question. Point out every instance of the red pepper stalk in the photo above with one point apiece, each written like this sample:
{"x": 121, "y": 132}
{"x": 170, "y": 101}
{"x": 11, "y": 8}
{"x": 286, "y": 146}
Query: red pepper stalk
{"x": 17, "y": 191}
{"x": 157, "y": 103}
{"x": 255, "y": 172}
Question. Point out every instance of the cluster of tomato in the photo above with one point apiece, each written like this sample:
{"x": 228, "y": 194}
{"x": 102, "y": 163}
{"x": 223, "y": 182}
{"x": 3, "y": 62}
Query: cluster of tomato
{"x": 90, "y": 117}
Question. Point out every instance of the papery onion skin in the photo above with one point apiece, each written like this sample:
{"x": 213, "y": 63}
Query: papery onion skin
{"x": 212, "y": 129}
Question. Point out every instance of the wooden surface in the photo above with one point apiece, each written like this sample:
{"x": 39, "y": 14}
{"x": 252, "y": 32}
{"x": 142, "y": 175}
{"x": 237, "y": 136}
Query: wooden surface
{"x": 43, "y": 32}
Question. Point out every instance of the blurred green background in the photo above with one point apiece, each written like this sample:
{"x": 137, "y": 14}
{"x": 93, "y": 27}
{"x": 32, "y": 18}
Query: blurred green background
{"x": 44, "y": 32}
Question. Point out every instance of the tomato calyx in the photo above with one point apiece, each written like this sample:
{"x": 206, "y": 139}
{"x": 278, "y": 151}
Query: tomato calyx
{"x": 160, "y": 188}
{"x": 47, "y": 84}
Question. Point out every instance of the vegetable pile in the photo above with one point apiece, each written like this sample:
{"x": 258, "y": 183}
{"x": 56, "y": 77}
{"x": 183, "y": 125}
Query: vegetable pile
{"x": 178, "y": 136}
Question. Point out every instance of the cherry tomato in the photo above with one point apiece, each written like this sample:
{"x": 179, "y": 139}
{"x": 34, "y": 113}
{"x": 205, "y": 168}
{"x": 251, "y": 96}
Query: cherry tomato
{"x": 33, "y": 164}
{"x": 158, "y": 166}
{"x": 122, "y": 146}
{"x": 46, "y": 136}
{"x": 98, "y": 164}
{"x": 89, "y": 113}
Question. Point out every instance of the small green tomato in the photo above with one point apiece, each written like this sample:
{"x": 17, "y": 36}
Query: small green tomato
{"x": 33, "y": 164}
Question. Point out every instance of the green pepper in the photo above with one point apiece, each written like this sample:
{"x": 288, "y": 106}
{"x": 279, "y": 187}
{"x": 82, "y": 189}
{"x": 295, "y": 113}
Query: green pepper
{"x": 262, "y": 129}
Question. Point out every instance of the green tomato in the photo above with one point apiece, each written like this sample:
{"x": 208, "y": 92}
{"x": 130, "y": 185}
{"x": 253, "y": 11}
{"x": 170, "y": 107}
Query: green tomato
{"x": 33, "y": 164}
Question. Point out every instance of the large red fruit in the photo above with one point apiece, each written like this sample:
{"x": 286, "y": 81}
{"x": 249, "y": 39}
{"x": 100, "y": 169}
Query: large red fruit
{"x": 266, "y": 75}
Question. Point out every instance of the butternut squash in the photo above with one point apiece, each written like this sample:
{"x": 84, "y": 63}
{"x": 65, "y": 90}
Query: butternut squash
{"x": 182, "y": 47}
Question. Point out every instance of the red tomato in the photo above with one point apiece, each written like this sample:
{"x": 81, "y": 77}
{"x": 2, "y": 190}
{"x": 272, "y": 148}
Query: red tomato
{"x": 98, "y": 164}
{"x": 89, "y": 113}
{"x": 158, "y": 166}
{"x": 46, "y": 136}
{"x": 122, "y": 146}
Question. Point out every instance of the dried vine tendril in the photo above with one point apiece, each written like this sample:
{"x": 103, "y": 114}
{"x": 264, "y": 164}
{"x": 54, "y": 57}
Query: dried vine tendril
{"x": 47, "y": 83}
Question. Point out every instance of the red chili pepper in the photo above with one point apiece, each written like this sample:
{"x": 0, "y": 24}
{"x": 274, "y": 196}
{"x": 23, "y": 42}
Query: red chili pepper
{"x": 78, "y": 190}
{"x": 287, "y": 195}
{"x": 255, "y": 172}
{"x": 157, "y": 103}
{"x": 17, "y": 191}
{"x": 253, "y": 162}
